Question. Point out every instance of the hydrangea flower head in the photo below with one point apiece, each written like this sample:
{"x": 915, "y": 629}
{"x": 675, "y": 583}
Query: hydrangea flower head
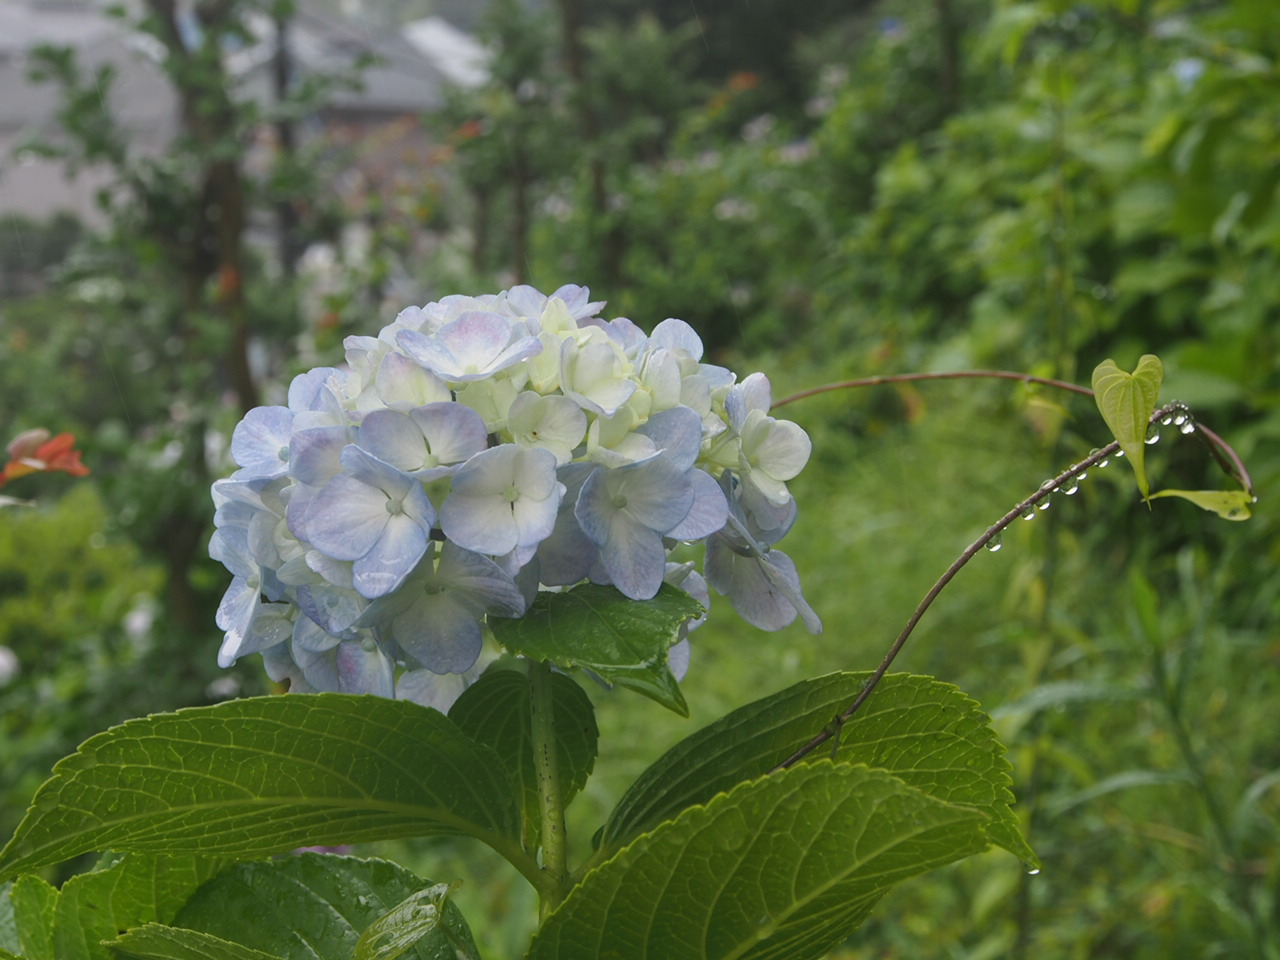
{"x": 480, "y": 449}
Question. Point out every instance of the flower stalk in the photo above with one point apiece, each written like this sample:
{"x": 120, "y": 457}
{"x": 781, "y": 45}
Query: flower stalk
{"x": 550, "y": 795}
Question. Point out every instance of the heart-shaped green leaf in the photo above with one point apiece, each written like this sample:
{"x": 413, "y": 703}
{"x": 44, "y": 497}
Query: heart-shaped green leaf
{"x": 622, "y": 640}
{"x": 925, "y": 732}
{"x": 784, "y": 866}
{"x": 1228, "y": 504}
{"x": 265, "y": 775}
{"x": 496, "y": 711}
{"x": 1126, "y": 401}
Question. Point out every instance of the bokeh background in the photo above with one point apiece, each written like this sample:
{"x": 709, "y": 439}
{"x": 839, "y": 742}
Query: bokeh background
{"x": 199, "y": 200}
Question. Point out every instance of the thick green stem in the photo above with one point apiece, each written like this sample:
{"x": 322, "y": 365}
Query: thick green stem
{"x": 550, "y": 797}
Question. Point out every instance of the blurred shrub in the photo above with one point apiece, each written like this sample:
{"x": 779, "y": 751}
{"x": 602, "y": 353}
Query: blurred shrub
{"x": 75, "y": 611}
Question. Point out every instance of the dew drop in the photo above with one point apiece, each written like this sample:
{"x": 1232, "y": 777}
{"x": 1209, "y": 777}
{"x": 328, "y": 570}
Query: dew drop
{"x": 993, "y": 545}
{"x": 1153, "y": 434}
{"x": 1166, "y": 420}
{"x": 1102, "y": 463}
{"x": 1033, "y": 871}
{"x": 1119, "y": 454}
{"x": 1188, "y": 427}
{"x": 1043, "y": 504}
{"x": 1029, "y": 513}
{"x": 1072, "y": 486}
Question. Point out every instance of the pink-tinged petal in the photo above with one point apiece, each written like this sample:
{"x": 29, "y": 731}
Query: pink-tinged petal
{"x": 361, "y": 670}
{"x": 394, "y": 438}
{"x": 315, "y": 454}
{"x": 453, "y": 432}
{"x": 474, "y": 346}
{"x": 401, "y": 383}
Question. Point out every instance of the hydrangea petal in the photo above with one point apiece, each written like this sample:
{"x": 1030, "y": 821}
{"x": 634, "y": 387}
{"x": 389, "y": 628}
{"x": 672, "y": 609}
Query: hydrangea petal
{"x": 708, "y": 512}
{"x": 260, "y": 442}
{"x": 391, "y": 558}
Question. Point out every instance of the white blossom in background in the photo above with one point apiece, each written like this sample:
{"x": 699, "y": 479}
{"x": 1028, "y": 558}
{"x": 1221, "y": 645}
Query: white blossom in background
{"x": 481, "y": 449}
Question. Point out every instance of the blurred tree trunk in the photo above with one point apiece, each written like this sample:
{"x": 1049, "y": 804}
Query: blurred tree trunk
{"x": 210, "y": 121}
{"x": 949, "y": 55}
{"x": 575, "y": 61}
{"x": 286, "y": 144}
{"x": 521, "y": 179}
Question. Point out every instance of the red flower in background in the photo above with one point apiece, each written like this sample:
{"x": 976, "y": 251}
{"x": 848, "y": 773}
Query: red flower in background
{"x": 33, "y": 451}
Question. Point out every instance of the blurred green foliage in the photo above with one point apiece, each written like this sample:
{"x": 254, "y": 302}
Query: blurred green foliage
{"x": 1030, "y": 184}
{"x": 76, "y": 610}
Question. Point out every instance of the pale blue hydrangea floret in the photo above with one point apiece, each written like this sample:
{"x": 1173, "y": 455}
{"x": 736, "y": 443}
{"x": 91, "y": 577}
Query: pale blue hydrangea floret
{"x": 476, "y": 451}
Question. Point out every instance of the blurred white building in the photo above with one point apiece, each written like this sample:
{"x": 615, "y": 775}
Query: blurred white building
{"x": 383, "y": 115}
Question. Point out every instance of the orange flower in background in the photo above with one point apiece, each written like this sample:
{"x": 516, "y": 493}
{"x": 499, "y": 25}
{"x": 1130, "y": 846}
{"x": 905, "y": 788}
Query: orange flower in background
{"x": 33, "y": 451}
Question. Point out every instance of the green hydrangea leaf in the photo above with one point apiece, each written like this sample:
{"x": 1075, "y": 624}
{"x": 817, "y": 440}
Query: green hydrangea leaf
{"x": 35, "y": 905}
{"x": 8, "y": 923}
{"x": 154, "y": 941}
{"x": 597, "y": 628}
{"x": 927, "y": 733}
{"x": 265, "y": 775}
{"x": 784, "y": 866}
{"x": 319, "y": 906}
{"x": 1126, "y": 401}
{"x": 134, "y": 889}
{"x": 1228, "y": 504}
{"x": 414, "y": 918}
{"x": 497, "y": 712}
